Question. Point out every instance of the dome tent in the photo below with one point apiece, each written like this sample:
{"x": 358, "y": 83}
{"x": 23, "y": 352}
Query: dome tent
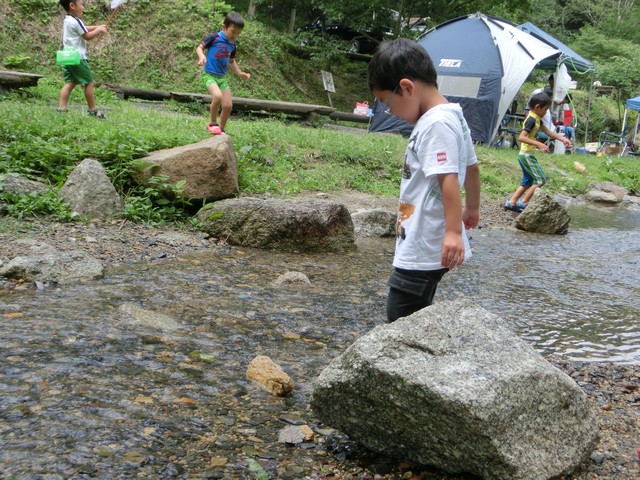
{"x": 482, "y": 62}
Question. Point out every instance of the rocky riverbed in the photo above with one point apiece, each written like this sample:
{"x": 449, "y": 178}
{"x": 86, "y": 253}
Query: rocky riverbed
{"x": 613, "y": 390}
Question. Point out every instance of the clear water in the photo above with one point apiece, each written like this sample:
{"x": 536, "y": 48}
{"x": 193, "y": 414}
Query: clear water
{"x": 88, "y": 392}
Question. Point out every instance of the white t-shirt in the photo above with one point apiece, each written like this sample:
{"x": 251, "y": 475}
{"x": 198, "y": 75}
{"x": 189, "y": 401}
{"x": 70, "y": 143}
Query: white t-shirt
{"x": 440, "y": 143}
{"x": 72, "y": 32}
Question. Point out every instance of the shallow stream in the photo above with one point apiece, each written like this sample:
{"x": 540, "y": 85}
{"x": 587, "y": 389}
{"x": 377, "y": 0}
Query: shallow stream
{"x": 88, "y": 393}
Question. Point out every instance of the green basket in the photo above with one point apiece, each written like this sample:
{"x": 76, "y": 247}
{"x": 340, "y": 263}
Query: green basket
{"x": 68, "y": 56}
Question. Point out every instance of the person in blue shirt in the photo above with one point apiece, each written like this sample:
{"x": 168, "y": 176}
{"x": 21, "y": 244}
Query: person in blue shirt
{"x": 220, "y": 54}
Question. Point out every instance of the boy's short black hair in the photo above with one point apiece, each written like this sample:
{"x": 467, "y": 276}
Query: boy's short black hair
{"x": 233, "y": 18}
{"x": 398, "y": 59}
{"x": 65, "y": 4}
{"x": 541, "y": 99}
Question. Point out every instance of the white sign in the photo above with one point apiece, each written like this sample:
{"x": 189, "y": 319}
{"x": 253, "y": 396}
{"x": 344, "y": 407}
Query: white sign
{"x": 327, "y": 81}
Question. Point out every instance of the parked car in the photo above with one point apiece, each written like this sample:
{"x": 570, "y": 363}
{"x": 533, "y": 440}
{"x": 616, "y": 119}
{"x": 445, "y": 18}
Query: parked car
{"x": 359, "y": 42}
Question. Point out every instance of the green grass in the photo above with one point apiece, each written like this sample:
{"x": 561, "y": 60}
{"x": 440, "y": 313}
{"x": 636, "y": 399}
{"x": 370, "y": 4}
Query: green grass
{"x": 500, "y": 172}
{"x": 275, "y": 156}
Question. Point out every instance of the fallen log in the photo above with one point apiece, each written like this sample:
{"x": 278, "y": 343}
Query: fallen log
{"x": 144, "y": 94}
{"x": 255, "y": 104}
{"x": 349, "y": 117}
{"x": 239, "y": 103}
{"x": 10, "y": 79}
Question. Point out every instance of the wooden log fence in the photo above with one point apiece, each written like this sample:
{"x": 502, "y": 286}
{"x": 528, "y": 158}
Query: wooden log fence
{"x": 304, "y": 110}
{"x": 10, "y": 79}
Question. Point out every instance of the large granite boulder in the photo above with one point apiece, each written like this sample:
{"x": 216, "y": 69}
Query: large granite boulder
{"x": 543, "y": 215}
{"x": 209, "y": 168}
{"x": 451, "y": 386}
{"x": 89, "y": 192}
{"x": 287, "y": 225}
{"x": 42, "y": 262}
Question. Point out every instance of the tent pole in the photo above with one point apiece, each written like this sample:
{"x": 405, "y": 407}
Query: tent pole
{"x": 624, "y": 121}
{"x": 586, "y": 127}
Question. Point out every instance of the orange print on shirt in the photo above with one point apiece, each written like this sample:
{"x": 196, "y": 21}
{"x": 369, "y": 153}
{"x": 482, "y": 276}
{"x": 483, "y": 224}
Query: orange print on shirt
{"x": 406, "y": 210}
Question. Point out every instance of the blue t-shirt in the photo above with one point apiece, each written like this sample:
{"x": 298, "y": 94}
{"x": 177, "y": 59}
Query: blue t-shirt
{"x": 219, "y": 51}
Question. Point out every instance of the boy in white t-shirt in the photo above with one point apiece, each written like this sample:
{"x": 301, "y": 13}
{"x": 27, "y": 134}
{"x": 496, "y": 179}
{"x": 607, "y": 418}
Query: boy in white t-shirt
{"x": 439, "y": 160}
{"x": 74, "y": 35}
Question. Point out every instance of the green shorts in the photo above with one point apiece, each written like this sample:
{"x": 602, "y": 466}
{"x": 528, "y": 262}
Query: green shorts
{"x": 220, "y": 80}
{"x": 78, "y": 74}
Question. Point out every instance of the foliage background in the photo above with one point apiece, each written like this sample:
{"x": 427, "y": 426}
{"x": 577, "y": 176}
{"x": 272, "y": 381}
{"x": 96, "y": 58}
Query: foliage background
{"x": 152, "y": 43}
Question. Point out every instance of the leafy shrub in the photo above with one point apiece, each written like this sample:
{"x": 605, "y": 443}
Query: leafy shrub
{"x": 48, "y": 203}
{"x": 16, "y": 61}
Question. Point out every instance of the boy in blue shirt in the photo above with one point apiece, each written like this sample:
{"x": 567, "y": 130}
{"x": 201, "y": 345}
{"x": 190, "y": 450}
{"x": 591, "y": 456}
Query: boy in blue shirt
{"x": 221, "y": 53}
{"x": 74, "y": 35}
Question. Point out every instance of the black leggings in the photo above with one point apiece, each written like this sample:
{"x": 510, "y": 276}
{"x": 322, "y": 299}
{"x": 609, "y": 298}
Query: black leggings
{"x": 411, "y": 290}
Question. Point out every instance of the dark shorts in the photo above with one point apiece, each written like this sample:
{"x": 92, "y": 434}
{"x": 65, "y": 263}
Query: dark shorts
{"x": 411, "y": 290}
{"x": 78, "y": 74}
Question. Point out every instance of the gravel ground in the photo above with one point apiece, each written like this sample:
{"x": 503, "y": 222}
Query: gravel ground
{"x": 613, "y": 390}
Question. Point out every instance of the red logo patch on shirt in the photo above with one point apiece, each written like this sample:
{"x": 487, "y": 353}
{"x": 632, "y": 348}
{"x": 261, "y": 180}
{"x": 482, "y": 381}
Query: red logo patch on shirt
{"x": 442, "y": 157}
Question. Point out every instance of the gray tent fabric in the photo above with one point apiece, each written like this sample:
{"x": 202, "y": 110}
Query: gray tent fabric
{"x": 571, "y": 59}
{"x": 482, "y": 61}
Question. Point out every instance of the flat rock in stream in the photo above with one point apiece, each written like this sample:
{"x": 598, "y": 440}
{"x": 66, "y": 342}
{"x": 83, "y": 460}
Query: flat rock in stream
{"x": 150, "y": 318}
{"x": 41, "y": 262}
{"x": 287, "y": 225}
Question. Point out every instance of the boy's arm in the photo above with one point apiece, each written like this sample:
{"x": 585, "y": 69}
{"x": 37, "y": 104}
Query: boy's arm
{"x": 452, "y": 254}
{"x": 202, "y": 59}
{"x": 94, "y": 30}
{"x": 471, "y": 211}
{"x": 554, "y": 135}
{"x": 236, "y": 68}
{"x": 523, "y": 138}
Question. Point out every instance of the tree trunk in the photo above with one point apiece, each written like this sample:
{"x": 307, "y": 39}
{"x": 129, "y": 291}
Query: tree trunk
{"x": 292, "y": 20}
{"x": 252, "y": 10}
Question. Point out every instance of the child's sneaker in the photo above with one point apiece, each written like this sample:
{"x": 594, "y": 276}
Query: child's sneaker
{"x": 514, "y": 208}
{"x": 60, "y": 110}
{"x": 214, "y": 129}
{"x": 521, "y": 205}
{"x": 97, "y": 114}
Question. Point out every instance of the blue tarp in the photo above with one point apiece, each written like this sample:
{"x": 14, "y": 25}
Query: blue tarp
{"x": 634, "y": 104}
{"x": 571, "y": 59}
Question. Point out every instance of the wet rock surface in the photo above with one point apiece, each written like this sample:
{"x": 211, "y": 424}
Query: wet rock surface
{"x": 125, "y": 402}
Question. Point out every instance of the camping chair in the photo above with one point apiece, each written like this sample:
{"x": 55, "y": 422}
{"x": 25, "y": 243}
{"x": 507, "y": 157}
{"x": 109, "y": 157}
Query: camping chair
{"x": 619, "y": 144}
{"x": 508, "y": 127}
{"x": 610, "y": 143}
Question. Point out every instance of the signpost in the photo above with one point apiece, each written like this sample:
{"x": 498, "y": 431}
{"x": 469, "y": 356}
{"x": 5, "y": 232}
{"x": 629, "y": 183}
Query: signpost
{"x": 327, "y": 81}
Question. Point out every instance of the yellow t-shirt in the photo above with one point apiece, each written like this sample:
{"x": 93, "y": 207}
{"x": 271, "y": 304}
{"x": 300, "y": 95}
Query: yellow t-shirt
{"x": 531, "y": 124}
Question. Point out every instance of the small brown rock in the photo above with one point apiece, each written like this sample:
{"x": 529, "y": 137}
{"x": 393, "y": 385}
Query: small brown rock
{"x": 270, "y": 376}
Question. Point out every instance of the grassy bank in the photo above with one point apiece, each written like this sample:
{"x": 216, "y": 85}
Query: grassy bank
{"x": 152, "y": 45}
{"x": 275, "y": 155}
